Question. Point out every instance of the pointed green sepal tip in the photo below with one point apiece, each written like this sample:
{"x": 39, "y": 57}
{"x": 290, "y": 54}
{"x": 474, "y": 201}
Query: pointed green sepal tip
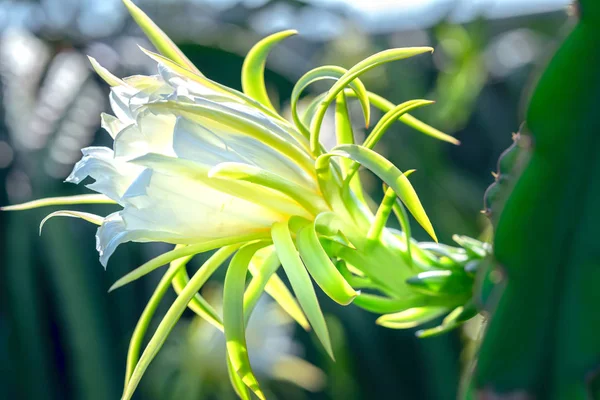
{"x": 253, "y": 69}
{"x": 92, "y": 218}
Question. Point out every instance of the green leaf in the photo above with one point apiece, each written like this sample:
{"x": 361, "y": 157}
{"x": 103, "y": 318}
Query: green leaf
{"x": 61, "y": 201}
{"x": 411, "y": 317}
{"x": 158, "y": 38}
{"x": 253, "y": 69}
{"x": 173, "y": 315}
{"x": 360, "y": 68}
{"x": 233, "y": 315}
{"x": 321, "y": 268}
{"x": 300, "y": 281}
{"x": 169, "y": 256}
{"x": 326, "y": 72}
{"x": 387, "y": 172}
{"x": 93, "y": 218}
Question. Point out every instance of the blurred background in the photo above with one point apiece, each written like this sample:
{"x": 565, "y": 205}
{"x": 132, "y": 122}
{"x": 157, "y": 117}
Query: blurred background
{"x": 63, "y": 337}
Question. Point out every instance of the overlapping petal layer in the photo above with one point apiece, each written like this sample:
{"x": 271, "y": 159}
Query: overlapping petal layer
{"x": 169, "y": 132}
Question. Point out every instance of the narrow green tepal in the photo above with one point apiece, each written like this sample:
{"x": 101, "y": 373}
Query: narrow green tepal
{"x": 300, "y": 281}
{"x": 543, "y": 337}
{"x": 253, "y": 69}
{"x": 233, "y": 316}
{"x": 391, "y": 175}
{"x": 158, "y": 38}
{"x": 360, "y": 68}
{"x": 327, "y": 72}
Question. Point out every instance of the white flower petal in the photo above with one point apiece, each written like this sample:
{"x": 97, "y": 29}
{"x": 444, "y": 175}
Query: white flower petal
{"x": 152, "y": 133}
{"x": 179, "y": 210}
{"x": 112, "y": 124}
{"x": 197, "y": 172}
{"x": 212, "y": 143}
{"x": 112, "y": 176}
{"x": 113, "y": 232}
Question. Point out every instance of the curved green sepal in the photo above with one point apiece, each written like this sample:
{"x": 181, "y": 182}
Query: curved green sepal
{"x": 385, "y": 106}
{"x": 198, "y": 304}
{"x": 92, "y": 218}
{"x": 411, "y": 317}
{"x": 300, "y": 281}
{"x": 253, "y": 69}
{"x": 442, "y": 283}
{"x": 321, "y": 268}
{"x": 326, "y": 72}
{"x": 169, "y": 256}
{"x": 158, "y": 38}
{"x": 233, "y": 315}
{"x": 456, "y": 318}
{"x": 61, "y": 201}
{"x": 360, "y": 68}
{"x": 173, "y": 315}
{"x": 387, "y": 172}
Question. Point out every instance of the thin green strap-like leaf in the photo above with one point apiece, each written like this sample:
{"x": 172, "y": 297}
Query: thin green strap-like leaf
{"x": 93, "y": 218}
{"x": 233, "y": 315}
{"x": 360, "y": 68}
{"x": 300, "y": 281}
{"x": 326, "y": 72}
{"x": 61, "y": 201}
{"x": 135, "y": 344}
{"x": 385, "y": 105}
{"x": 253, "y": 69}
{"x": 105, "y": 74}
{"x": 158, "y": 38}
{"x": 169, "y": 256}
{"x": 198, "y": 304}
{"x": 388, "y": 173}
{"x": 238, "y": 385}
{"x": 173, "y": 315}
{"x": 411, "y": 317}
{"x": 321, "y": 268}
{"x": 308, "y": 199}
